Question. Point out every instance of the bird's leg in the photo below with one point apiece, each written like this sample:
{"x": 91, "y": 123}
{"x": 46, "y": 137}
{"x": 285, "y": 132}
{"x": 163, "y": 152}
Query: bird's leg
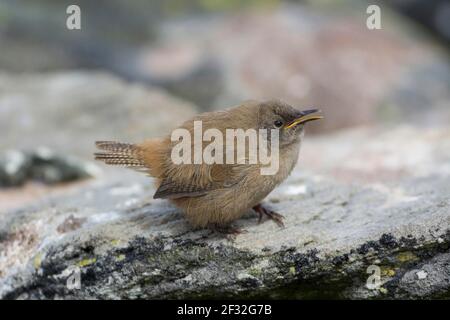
{"x": 272, "y": 215}
{"x": 228, "y": 230}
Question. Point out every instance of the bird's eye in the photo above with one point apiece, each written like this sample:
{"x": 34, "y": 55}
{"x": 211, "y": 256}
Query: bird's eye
{"x": 278, "y": 123}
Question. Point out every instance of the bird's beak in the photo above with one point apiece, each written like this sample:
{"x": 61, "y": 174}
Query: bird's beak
{"x": 305, "y": 116}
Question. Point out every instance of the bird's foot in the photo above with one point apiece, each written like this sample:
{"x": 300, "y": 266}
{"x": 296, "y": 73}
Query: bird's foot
{"x": 272, "y": 215}
{"x": 228, "y": 230}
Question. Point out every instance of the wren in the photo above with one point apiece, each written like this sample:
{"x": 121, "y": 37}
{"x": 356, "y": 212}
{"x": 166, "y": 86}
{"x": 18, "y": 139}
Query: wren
{"x": 213, "y": 195}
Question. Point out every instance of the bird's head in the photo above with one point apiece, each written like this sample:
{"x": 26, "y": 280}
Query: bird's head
{"x": 288, "y": 120}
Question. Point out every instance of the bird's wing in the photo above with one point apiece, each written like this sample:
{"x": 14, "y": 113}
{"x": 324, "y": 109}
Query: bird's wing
{"x": 197, "y": 180}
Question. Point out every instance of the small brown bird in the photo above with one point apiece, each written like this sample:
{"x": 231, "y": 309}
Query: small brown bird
{"x": 212, "y": 195}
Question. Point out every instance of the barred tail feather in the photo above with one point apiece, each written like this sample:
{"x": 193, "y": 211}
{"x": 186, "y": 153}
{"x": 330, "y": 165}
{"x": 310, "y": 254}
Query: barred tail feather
{"x": 120, "y": 154}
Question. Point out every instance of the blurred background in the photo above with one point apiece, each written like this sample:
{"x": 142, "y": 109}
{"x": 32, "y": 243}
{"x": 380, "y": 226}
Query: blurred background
{"x": 137, "y": 68}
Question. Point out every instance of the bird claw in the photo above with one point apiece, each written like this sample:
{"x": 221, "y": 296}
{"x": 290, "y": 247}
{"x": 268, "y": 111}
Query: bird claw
{"x": 272, "y": 215}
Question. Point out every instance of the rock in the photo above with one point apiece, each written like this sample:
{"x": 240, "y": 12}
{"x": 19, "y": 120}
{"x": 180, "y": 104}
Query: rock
{"x": 68, "y": 111}
{"x": 308, "y": 54}
{"x": 110, "y": 239}
{"x": 309, "y": 57}
{"x": 43, "y": 165}
{"x": 35, "y": 38}
{"x": 435, "y": 15}
{"x": 429, "y": 279}
{"x": 14, "y": 167}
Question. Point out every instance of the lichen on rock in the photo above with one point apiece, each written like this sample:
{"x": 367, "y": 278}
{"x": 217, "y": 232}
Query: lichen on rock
{"x": 131, "y": 246}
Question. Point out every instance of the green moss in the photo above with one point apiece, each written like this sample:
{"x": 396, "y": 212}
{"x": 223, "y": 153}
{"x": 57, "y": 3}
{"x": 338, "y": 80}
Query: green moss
{"x": 37, "y": 261}
{"x": 256, "y": 272}
{"x": 86, "y": 262}
{"x": 120, "y": 257}
{"x": 406, "y": 256}
{"x": 190, "y": 258}
{"x": 292, "y": 270}
{"x": 387, "y": 271}
{"x": 383, "y": 290}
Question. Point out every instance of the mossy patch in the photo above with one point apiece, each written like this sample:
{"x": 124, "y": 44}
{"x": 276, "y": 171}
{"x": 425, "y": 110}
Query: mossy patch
{"x": 387, "y": 271}
{"x": 120, "y": 257}
{"x": 86, "y": 262}
{"x": 406, "y": 256}
{"x": 37, "y": 261}
{"x": 292, "y": 270}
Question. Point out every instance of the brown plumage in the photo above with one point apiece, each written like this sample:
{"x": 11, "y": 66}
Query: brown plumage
{"x": 214, "y": 195}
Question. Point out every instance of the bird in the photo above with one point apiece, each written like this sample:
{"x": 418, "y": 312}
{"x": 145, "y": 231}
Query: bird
{"x": 214, "y": 195}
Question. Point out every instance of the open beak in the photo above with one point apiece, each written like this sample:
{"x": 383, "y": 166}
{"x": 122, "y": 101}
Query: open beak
{"x": 305, "y": 116}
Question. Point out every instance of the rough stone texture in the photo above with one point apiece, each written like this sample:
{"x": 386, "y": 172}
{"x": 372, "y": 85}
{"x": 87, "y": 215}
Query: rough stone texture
{"x": 370, "y": 196}
{"x": 43, "y": 165}
{"x": 430, "y": 278}
{"x": 66, "y": 111}
{"x": 127, "y": 245}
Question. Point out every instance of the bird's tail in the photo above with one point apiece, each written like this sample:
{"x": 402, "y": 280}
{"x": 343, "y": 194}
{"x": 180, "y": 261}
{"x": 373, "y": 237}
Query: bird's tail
{"x": 120, "y": 154}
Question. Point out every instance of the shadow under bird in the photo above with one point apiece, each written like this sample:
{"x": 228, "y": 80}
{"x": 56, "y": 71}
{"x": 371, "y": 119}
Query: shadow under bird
{"x": 214, "y": 195}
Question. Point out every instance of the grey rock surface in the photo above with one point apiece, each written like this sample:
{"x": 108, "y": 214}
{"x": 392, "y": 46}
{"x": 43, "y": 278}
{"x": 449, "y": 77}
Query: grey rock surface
{"x": 43, "y": 165}
{"x": 66, "y": 111}
{"x": 341, "y": 218}
{"x": 430, "y": 278}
